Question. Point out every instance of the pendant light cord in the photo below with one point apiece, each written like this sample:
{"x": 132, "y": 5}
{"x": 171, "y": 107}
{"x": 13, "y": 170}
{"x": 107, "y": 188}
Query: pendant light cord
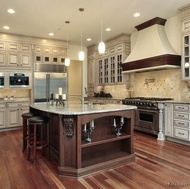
{"x": 101, "y": 21}
{"x": 81, "y": 9}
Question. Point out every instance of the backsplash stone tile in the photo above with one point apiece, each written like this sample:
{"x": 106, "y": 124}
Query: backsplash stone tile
{"x": 16, "y": 93}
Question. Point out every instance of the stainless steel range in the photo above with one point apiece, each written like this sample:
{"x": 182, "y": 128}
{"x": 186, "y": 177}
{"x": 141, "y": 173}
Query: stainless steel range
{"x": 146, "y": 114}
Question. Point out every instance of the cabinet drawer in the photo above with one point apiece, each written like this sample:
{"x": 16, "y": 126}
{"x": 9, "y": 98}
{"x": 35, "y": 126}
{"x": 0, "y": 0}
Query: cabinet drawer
{"x": 181, "y": 133}
{"x": 2, "y": 105}
{"x": 181, "y": 108}
{"x": 181, "y": 123}
{"x": 183, "y": 116}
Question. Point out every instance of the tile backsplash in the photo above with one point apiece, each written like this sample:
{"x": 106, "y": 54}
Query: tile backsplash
{"x": 160, "y": 83}
{"x": 16, "y": 93}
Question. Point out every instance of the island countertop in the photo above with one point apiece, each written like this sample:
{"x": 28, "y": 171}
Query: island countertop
{"x": 79, "y": 109}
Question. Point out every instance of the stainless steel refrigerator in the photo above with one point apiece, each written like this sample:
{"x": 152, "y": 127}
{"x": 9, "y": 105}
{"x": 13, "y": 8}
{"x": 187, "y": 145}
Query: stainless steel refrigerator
{"x": 47, "y": 80}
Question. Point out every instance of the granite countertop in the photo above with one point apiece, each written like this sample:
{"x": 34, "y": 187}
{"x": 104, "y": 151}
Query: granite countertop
{"x": 78, "y": 109}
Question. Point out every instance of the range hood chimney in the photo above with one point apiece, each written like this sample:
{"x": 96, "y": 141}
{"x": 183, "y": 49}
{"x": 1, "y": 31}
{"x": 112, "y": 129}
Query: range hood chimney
{"x": 152, "y": 49}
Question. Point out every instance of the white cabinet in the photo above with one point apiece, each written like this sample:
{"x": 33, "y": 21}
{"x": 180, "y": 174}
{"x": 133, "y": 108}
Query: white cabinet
{"x": 49, "y": 54}
{"x": 168, "y": 119}
{"x": 181, "y": 121}
{"x": 15, "y": 54}
{"x": 185, "y": 23}
{"x": 110, "y": 70}
{"x": 15, "y": 111}
{"x": 186, "y": 57}
{"x": 11, "y": 114}
{"x": 2, "y": 115}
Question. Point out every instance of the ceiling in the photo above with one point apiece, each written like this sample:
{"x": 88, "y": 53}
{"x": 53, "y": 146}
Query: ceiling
{"x": 40, "y": 17}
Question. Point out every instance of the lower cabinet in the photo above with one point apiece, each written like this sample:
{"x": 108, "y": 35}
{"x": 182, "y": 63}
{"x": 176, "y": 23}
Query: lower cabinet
{"x": 2, "y": 115}
{"x": 11, "y": 114}
{"x": 168, "y": 115}
{"x": 177, "y": 122}
{"x": 181, "y": 121}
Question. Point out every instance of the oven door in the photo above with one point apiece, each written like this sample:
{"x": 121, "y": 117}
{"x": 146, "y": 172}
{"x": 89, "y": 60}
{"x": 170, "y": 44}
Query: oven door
{"x": 147, "y": 121}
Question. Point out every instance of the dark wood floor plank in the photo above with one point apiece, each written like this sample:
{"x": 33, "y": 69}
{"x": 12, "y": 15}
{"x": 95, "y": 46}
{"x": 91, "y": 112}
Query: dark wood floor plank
{"x": 158, "y": 165}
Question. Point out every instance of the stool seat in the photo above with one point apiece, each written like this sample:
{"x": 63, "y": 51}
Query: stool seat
{"x": 28, "y": 115}
{"x": 38, "y": 119}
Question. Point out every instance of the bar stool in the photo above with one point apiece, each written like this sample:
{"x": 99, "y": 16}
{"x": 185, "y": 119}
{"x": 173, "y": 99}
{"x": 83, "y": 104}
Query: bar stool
{"x": 35, "y": 141}
{"x": 25, "y": 118}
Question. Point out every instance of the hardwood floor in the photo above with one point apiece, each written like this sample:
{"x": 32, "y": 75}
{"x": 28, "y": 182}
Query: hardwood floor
{"x": 157, "y": 165}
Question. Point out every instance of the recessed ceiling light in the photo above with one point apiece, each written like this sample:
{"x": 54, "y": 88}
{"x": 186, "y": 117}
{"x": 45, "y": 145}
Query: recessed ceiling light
{"x": 11, "y": 11}
{"x": 108, "y": 29}
{"x": 6, "y": 27}
{"x": 51, "y": 34}
{"x": 89, "y": 39}
{"x": 137, "y": 14}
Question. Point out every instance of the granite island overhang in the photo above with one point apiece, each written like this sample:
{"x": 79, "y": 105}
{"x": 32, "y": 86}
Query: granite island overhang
{"x": 85, "y": 138}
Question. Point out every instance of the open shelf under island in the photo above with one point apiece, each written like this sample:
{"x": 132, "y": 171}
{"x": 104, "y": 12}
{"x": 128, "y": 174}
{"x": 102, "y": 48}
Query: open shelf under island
{"x": 88, "y": 138}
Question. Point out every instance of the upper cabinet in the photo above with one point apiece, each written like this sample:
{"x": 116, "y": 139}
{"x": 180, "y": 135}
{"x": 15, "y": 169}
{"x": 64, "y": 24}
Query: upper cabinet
{"x": 15, "y": 55}
{"x": 49, "y": 54}
{"x": 108, "y": 65}
{"x": 185, "y": 23}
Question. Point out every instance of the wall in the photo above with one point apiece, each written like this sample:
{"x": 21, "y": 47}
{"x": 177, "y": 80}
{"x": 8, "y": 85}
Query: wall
{"x": 75, "y": 80}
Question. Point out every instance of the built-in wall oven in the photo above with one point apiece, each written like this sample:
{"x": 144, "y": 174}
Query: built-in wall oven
{"x": 19, "y": 79}
{"x": 146, "y": 114}
{"x": 2, "y": 80}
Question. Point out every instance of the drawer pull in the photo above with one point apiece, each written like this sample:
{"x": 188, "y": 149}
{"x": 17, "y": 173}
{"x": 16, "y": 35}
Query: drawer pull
{"x": 180, "y": 133}
{"x": 180, "y": 123}
{"x": 181, "y": 116}
{"x": 182, "y": 108}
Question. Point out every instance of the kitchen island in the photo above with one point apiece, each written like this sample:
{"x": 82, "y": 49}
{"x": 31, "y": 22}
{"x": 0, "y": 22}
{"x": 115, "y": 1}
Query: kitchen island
{"x": 86, "y": 138}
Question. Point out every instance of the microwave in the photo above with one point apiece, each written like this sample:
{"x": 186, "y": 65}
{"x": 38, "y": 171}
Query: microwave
{"x": 19, "y": 80}
{"x": 2, "y": 80}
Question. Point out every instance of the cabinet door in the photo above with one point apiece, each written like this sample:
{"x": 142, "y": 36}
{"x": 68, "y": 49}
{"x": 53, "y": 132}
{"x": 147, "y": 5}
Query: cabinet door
{"x": 186, "y": 58}
{"x": 13, "y": 114}
{"x": 22, "y": 110}
{"x": 25, "y": 59}
{"x": 13, "y": 46}
{"x": 13, "y": 58}
{"x": 2, "y": 58}
{"x": 168, "y": 119}
{"x": 2, "y": 118}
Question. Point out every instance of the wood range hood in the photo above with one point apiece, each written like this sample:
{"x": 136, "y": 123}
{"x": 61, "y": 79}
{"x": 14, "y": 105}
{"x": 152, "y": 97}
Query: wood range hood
{"x": 152, "y": 49}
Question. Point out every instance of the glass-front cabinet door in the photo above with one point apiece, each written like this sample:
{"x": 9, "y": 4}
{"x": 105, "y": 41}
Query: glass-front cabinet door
{"x": 186, "y": 58}
{"x": 110, "y": 70}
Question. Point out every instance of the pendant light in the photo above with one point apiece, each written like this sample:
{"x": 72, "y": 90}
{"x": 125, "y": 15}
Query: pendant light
{"x": 81, "y": 53}
{"x": 101, "y": 46}
{"x": 67, "y": 59}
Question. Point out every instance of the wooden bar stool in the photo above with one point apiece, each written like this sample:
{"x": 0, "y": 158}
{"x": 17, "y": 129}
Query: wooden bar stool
{"x": 38, "y": 141}
{"x": 25, "y": 118}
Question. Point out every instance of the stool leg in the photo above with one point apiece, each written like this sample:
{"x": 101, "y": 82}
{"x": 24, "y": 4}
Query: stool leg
{"x": 34, "y": 146}
{"x": 24, "y": 121}
{"x": 48, "y": 147}
{"x": 28, "y": 142}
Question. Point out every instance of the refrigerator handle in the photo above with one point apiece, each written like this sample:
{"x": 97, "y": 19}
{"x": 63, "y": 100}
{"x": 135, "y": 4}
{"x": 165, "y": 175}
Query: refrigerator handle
{"x": 47, "y": 87}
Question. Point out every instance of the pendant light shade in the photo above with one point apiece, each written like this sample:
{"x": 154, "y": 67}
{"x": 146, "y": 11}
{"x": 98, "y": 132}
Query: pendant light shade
{"x": 101, "y": 47}
{"x": 67, "y": 62}
{"x": 81, "y": 53}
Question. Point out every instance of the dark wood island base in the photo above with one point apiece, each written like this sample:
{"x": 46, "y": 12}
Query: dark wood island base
{"x": 76, "y": 155}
